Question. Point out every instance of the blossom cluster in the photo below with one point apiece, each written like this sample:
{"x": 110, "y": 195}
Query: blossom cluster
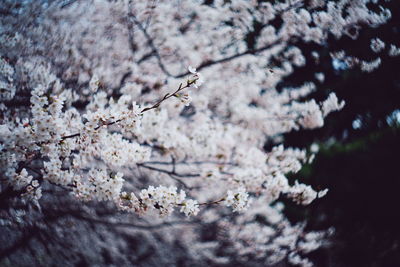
{"x": 238, "y": 199}
{"x": 124, "y": 120}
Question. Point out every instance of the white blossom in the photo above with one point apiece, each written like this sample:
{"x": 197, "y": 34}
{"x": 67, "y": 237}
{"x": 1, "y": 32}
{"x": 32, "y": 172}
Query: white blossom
{"x": 196, "y": 79}
{"x": 320, "y": 76}
{"x": 377, "y": 45}
{"x": 94, "y": 83}
{"x": 185, "y": 98}
{"x": 370, "y": 66}
{"x": 21, "y": 179}
{"x": 331, "y": 104}
{"x": 190, "y": 207}
{"x": 237, "y": 199}
{"x": 394, "y": 51}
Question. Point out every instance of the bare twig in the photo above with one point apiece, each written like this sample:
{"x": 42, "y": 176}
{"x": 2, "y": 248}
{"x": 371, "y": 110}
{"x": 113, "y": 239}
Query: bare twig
{"x": 191, "y": 163}
{"x": 173, "y": 173}
{"x": 150, "y": 43}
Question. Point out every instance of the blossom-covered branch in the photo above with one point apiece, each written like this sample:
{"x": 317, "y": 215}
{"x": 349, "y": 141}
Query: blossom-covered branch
{"x": 79, "y": 111}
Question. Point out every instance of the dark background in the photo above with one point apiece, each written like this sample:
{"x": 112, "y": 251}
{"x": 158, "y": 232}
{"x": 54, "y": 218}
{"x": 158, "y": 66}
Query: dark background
{"x": 360, "y": 165}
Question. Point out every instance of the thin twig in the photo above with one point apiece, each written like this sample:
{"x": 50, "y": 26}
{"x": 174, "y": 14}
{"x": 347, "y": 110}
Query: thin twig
{"x": 156, "y": 105}
{"x": 151, "y": 44}
{"x": 182, "y": 175}
{"x": 190, "y": 163}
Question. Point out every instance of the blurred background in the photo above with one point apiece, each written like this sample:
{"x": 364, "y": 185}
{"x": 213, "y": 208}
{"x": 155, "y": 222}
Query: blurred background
{"x": 359, "y": 164}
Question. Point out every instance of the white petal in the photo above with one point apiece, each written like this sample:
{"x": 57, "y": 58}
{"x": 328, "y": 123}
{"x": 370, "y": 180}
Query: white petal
{"x": 192, "y": 70}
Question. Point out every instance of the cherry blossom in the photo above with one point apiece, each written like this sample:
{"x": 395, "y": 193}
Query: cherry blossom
{"x": 97, "y": 100}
